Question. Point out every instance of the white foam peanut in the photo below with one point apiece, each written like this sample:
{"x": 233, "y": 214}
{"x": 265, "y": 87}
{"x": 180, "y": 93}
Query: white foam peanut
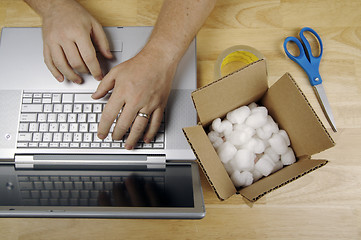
{"x": 264, "y": 165}
{"x": 220, "y": 126}
{"x": 243, "y": 160}
{"x": 242, "y": 179}
{"x": 226, "y": 151}
{"x": 260, "y": 109}
{"x": 239, "y": 137}
{"x": 256, "y": 175}
{"x": 266, "y": 131}
{"x": 256, "y": 119}
{"x": 278, "y": 166}
{"x": 263, "y": 133}
{"x": 272, "y": 154}
{"x": 213, "y": 136}
{"x": 278, "y": 143}
{"x": 288, "y": 157}
{"x": 229, "y": 168}
{"x": 239, "y": 115}
{"x": 252, "y": 105}
{"x": 259, "y": 147}
{"x": 218, "y": 143}
{"x": 285, "y": 137}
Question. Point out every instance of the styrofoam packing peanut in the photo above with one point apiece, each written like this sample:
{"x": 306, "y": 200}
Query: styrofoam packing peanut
{"x": 256, "y": 175}
{"x": 266, "y": 131}
{"x": 224, "y": 126}
{"x": 218, "y": 143}
{"x": 242, "y": 179}
{"x": 288, "y": 157}
{"x": 272, "y": 154}
{"x": 250, "y": 144}
{"x": 252, "y": 105}
{"x": 238, "y": 138}
{"x": 239, "y": 115}
{"x": 260, "y": 146}
{"x": 284, "y": 134}
{"x": 214, "y": 136}
{"x": 278, "y": 143}
{"x": 243, "y": 160}
{"x": 256, "y": 119}
{"x": 265, "y": 165}
{"x": 277, "y": 166}
{"x": 260, "y": 109}
{"x": 228, "y": 167}
{"x": 226, "y": 151}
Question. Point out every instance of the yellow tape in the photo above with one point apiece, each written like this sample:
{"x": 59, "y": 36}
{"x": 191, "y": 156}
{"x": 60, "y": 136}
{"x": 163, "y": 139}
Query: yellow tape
{"x": 234, "y": 58}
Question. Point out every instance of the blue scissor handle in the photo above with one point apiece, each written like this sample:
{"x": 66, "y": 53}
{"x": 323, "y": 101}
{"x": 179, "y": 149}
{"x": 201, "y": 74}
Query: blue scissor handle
{"x": 306, "y": 59}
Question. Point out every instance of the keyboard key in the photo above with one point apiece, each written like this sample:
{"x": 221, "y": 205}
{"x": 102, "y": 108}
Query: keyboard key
{"x": 27, "y": 100}
{"x": 67, "y": 98}
{"x": 26, "y": 185}
{"x": 24, "y": 137}
{"x": 74, "y": 145}
{"x": 23, "y": 127}
{"x": 30, "y": 117}
{"x": 58, "y": 108}
{"x": 33, "y": 127}
{"x": 56, "y": 98}
{"x": 85, "y": 145}
{"x": 32, "y": 108}
{"x": 22, "y": 144}
{"x": 78, "y": 108}
{"x": 86, "y": 98}
{"x": 48, "y": 108}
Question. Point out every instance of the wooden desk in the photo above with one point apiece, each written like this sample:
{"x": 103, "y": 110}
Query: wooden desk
{"x": 325, "y": 204}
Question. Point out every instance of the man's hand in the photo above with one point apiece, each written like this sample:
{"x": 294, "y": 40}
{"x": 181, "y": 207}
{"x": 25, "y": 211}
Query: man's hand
{"x": 140, "y": 85}
{"x": 69, "y": 32}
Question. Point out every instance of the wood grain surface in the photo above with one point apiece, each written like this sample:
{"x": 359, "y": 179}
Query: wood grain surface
{"x": 325, "y": 204}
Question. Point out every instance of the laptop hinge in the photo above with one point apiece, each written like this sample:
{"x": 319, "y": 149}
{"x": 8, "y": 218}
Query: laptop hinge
{"x": 93, "y": 161}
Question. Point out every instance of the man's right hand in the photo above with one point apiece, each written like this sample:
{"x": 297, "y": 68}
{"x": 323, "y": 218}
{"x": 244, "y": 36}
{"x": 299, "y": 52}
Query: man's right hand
{"x": 69, "y": 33}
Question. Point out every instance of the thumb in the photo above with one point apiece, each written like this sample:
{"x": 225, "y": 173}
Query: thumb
{"x": 100, "y": 40}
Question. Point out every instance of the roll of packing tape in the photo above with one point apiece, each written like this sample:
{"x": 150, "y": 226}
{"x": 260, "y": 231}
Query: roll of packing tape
{"x": 235, "y": 58}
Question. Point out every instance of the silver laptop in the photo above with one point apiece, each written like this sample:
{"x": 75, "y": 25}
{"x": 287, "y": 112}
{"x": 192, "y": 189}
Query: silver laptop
{"x": 53, "y": 165}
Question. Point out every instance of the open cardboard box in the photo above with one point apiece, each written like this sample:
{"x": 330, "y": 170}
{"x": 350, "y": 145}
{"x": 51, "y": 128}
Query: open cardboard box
{"x": 285, "y": 103}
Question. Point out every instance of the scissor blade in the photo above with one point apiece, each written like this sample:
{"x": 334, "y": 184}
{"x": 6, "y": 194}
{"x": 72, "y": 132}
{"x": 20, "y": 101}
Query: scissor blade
{"x": 322, "y": 99}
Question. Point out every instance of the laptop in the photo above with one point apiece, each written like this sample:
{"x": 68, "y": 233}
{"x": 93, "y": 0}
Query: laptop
{"x": 53, "y": 165}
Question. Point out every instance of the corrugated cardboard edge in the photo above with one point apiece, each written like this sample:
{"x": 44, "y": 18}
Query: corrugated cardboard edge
{"x": 314, "y": 112}
{"x": 254, "y": 75}
{"x": 213, "y": 168}
{"x": 288, "y": 174}
{"x": 310, "y": 107}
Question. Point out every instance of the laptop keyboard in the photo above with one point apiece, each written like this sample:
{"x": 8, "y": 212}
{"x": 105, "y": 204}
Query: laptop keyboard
{"x": 69, "y": 120}
{"x": 76, "y": 190}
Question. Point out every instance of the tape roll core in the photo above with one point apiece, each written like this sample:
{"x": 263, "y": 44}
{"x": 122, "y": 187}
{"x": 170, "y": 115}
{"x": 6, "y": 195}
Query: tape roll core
{"x": 234, "y": 58}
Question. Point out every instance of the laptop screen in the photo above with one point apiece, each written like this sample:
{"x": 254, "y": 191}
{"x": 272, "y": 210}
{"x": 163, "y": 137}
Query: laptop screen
{"x": 169, "y": 187}
{"x": 120, "y": 190}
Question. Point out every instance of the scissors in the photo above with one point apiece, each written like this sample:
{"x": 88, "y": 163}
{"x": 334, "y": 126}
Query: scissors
{"x": 310, "y": 64}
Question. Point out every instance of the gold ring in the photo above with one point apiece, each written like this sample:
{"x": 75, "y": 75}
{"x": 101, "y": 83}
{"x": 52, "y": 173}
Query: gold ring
{"x": 140, "y": 114}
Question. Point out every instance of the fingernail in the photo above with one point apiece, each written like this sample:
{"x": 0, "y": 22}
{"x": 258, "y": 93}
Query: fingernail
{"x": 60, "y": 79}
{"x": 146, "y": 140}
{"x": 101, "y": 136}
{"x": 99, "y": 78}
{"x": 128, "y": 147}
{"x": 109, "y": 53}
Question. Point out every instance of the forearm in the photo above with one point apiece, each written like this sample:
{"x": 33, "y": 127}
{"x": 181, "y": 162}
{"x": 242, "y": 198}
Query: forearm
{"x": 177, "y": 24}
{"x": 42, "y": 7}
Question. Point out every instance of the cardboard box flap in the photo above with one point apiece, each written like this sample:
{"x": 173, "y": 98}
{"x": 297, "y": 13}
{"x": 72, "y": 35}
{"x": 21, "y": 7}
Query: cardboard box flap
{"x": 280, "y": 178}
{"x": 290, "y": 108}
{"x": 239, "y": 88}
{"x": 209, "y": 162}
